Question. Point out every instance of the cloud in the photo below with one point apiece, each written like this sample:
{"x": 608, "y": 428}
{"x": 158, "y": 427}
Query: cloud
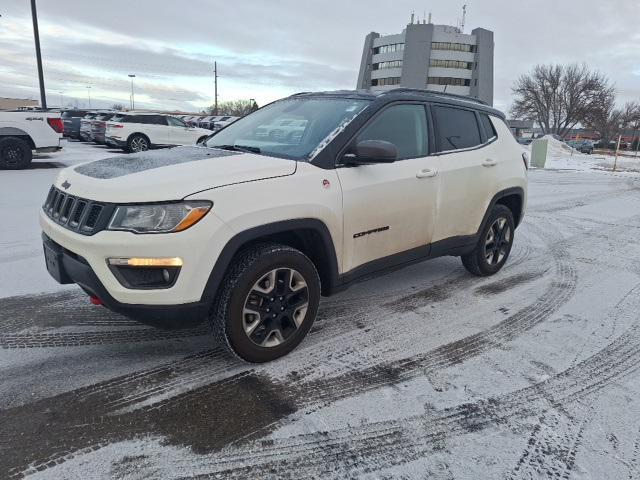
{"x": 266, "y": 50}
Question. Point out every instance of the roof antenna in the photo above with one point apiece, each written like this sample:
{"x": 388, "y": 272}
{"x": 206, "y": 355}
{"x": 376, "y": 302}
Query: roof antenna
{"x": 464, "y": 18}
{"x": 412, "y": 17}
{"x": 429, "y": 17}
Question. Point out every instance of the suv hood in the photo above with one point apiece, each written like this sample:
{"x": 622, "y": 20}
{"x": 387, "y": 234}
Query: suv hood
{"x": 169, "y": 174}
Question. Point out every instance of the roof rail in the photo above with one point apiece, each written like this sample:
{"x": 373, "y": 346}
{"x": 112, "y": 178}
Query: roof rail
{"x": 433, "y": 92}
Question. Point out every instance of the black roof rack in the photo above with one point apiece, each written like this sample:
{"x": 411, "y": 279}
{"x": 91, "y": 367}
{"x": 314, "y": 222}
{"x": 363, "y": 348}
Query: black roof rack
{"x": 434, "y": 93}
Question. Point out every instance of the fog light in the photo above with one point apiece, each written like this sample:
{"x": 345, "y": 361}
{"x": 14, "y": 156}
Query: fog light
{"x": 146, "y": 273}
{"x": 146, "y": 262}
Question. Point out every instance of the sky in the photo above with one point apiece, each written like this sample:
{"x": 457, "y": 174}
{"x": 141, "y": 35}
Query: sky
{"x": 270, "y": 49}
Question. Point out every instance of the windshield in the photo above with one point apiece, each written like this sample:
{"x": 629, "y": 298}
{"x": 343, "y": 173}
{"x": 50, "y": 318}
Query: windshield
{"x": 291, "y": 128}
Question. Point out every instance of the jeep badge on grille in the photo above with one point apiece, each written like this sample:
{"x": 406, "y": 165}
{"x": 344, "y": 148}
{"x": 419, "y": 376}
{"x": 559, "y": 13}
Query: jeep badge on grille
{"x": 65, "y": 185}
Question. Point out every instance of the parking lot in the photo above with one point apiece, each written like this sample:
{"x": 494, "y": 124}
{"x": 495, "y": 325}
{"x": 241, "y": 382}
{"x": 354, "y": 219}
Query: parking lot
{"x": 427, "y": 372}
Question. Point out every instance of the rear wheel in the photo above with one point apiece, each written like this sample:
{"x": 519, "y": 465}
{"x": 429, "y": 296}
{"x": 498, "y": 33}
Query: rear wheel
{"x": 137, "y": 143}
{"x": 494, "y": 245}
{"x": 15, "y": 153}
{"x": 267, "y": 303}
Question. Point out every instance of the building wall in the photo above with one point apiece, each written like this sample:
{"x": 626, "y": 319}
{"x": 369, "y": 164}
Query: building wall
{"x": 474, "y": 79}
{"x": 482, "y": 82}
{"x": 364, "y": 77}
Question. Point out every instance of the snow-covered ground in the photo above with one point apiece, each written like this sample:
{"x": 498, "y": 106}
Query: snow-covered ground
{"x": 424, "y": 373}
{"x": 562, "y": 157}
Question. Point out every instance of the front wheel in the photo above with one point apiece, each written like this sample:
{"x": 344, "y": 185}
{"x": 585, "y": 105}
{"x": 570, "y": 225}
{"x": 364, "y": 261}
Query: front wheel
{"x": 494, "y": 244}
{"x": 267, "y": 303}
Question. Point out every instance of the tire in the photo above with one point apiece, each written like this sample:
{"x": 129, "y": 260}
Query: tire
{"x": 15, "y": 153}
{"x": 489, "y": 256}
{"x": 138, "y": 143}
{"x": 254, "y": 289}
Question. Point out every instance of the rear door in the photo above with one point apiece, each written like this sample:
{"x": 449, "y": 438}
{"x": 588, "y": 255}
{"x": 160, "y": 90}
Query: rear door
{"x": 390, "y": 208}
{"x": 466, "y": 169}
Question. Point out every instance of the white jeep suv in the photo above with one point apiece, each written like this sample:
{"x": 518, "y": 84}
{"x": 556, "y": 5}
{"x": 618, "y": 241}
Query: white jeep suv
{"x": 137, "y": 132}
{"x": 247, "y": 232}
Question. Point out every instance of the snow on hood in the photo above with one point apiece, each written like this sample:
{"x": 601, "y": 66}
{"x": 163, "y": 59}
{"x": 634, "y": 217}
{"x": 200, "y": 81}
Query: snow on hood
{"x": 169, "y": 174}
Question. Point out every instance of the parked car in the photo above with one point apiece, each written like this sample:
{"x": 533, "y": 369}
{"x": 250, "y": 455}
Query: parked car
{"x": 71, "y": 121}
{"x": 248, "y": 232}
{"x": 208, "y": 122}
{"x": 288, "y": 128}
{"x": 138, "y": 132}
{"x": 22, "y": 133}
{"x": 224, "y": 121}
{"x": 85, "y": 126}
{"x": 583, "y": 146}
{"x": 99, "y": 126}
{"x": 524, "y": 140}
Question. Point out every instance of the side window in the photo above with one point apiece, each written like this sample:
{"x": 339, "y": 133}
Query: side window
{"x": 403, "y": 125}
{"x": 174, "y": 122}
{"x": 489, "y": 129}
{"x": 455, "y": 128}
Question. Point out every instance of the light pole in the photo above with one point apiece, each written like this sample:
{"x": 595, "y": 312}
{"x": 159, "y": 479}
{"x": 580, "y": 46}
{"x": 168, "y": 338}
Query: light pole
{"x": 133, "y": 103}
{"x": 89, "y": 94}
{"x": 36, "y": 36}
{"x": 61, "y": 99}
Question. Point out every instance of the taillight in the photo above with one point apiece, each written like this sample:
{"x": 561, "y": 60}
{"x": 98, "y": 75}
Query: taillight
{"x": 116, "y": 125}
{"x": 56, "y": 124}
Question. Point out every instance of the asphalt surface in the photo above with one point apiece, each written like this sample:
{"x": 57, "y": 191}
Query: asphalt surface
{"x": 427, "y": 372}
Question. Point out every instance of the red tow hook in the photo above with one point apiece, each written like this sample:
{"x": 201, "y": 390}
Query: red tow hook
{"x": 95, "y": 300}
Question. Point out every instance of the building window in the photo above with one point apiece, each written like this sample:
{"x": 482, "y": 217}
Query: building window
{"x": 458, "y": 47}
{"x": 450, "y": 64}
{"x": 459, "y": 82}
{"x": 383, "y": 65}
{"x": 380, "y": 82}
{"x": 394, "y": 47}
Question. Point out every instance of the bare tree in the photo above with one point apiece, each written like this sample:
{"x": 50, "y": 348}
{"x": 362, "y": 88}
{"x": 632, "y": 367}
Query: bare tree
{"x": 236, "y": 108}
{"x": 609, "y": 121}
{"x": 117, "y": 106}
{"x": 559, "y": 97}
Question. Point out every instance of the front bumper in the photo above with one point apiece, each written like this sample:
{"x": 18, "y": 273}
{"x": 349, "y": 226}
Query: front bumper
{"x": 75, "y": 269}
{"x": 198, "y": 247}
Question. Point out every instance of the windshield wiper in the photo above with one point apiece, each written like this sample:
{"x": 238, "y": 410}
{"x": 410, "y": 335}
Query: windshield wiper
{"x": 238, "y": 148}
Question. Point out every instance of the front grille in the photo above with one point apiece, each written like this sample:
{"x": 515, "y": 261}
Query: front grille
{"x": 78, "y": 214}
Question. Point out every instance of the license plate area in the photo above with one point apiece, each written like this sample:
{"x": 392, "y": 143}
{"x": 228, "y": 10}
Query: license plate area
{"x": 53, "y": 259}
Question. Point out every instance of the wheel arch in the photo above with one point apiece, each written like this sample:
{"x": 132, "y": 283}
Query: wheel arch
{"x": 19, "y": 133}
{"x": 131, "y": 135}
{"x": 309, "y": 235}
{"x": 512, "y": 198}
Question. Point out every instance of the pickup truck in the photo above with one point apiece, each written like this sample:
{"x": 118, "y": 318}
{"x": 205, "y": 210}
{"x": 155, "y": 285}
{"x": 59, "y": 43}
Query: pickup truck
{"x": 22, "y": 133}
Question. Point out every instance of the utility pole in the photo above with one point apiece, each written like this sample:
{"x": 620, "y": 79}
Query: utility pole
{"x": 89, "y": 94}
{"x": 215, "y": 81}
{"x": 132, "y": 100}
{"x": 36, "y": 36}
{"x": 61, "y": 99}
{"x": 615, "y": 160}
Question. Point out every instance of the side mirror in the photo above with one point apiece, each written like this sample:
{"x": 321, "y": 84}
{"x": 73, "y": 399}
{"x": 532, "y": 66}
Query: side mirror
{"x": 372, "y": 151}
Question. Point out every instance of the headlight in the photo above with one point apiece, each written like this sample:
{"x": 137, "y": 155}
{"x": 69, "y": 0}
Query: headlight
{"x": 158, "y": 218}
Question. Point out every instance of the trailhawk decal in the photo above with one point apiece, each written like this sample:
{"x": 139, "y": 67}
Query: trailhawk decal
{"x": 122, "y": 165}
{"x": 369, "y": 232}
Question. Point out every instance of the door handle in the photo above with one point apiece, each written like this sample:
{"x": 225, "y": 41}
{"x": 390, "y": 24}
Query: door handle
{"x": 489, "y": 162}
{"x": 426, "y": 173}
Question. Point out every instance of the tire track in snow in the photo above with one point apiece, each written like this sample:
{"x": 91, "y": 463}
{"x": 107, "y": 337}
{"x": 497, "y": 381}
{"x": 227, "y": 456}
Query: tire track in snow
{"x": 384, "y": 444}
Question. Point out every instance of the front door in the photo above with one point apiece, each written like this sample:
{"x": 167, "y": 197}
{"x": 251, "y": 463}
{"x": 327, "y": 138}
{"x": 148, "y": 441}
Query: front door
{"x": 390, "y": 208}
{"x": 179, "y": 133}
